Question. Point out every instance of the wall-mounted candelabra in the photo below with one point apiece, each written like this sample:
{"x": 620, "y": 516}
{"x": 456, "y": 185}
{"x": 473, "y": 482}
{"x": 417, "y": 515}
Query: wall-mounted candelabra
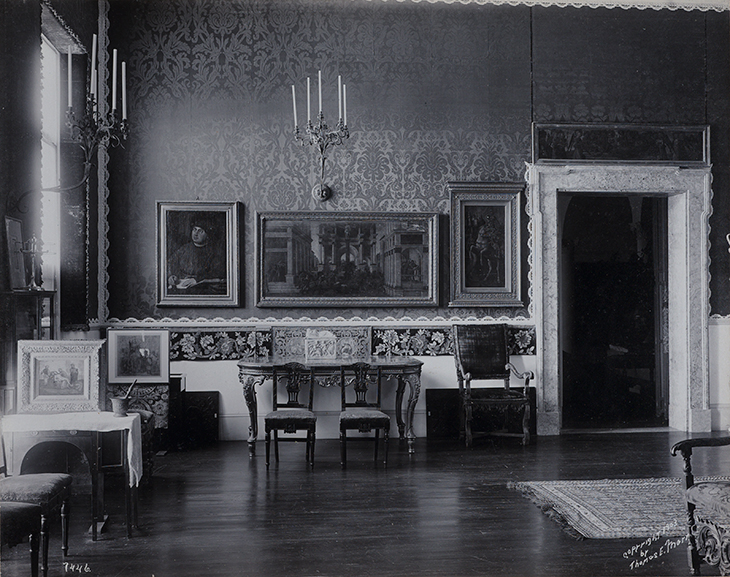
{"x": 95, "y": 126}
{"x": 319, "y": 134}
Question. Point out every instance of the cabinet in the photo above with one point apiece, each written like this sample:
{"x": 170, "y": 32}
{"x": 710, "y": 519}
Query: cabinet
{"x": 25, "y": 315}
{"x": 32, "y": 313}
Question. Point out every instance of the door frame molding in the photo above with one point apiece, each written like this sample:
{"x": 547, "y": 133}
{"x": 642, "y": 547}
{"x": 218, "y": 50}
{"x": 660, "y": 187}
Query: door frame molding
{"x": 689, "y": 195}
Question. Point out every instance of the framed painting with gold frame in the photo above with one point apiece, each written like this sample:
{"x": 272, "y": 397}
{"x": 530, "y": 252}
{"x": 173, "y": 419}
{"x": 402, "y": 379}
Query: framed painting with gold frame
{"x": 346, "y": 259}
{"x": 198, "y": 254}
{"x": 485, "y": 237}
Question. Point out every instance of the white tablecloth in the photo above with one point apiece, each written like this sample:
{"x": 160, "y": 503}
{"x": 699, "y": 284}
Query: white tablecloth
{"x": 102, "y": 421}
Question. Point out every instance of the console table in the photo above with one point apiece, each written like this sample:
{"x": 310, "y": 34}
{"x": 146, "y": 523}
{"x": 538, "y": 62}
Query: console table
{"x": 83, "y": 430}
{"x": 254, "y": 371}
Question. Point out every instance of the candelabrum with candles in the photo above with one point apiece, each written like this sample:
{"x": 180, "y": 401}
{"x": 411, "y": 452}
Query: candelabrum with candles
{"x": 94, "y": 128}
{"x": 319, "y": 134}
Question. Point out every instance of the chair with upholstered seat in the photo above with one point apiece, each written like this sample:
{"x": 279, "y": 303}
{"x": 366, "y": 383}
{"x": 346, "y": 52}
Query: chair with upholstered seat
{"x": 361, "y": 409}
{"x": 291, "y": 415}
{"x": 18, "y": 522}
{"x": 50, "y": 491}
{"x": 708, "y": 511}
{"x": 481, "y": 353}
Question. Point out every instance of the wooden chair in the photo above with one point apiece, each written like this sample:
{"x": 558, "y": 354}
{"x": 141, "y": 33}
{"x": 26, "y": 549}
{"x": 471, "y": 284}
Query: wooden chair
{"x": 292, "y": 415}
{"x": 708, "y": 511}
{"x": 360, "y": 413}
{"x": 18, "y": 522}
{"x": 49, "y": 491}
{"x": 480, "y": 353}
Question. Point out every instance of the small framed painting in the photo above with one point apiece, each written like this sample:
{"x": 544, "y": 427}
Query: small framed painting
{"x": 198, "y": 254}
{"x": 139, "y": 355}
{"x": 14, "y": 237}
{"x": 485, "y": 237}
{"x": 60, "y": 376}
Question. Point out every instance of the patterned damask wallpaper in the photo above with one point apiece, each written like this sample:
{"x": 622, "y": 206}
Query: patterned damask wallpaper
{"x": 211, "y": 119}
{"x": 436, "y": 92}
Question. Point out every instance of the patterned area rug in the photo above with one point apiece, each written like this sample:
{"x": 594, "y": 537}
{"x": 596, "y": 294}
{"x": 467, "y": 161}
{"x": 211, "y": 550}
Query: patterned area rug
{"x": 613, "y": 508}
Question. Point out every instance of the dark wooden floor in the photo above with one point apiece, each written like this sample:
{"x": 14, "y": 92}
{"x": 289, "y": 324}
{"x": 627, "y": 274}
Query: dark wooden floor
{"x": 444, "y": 511}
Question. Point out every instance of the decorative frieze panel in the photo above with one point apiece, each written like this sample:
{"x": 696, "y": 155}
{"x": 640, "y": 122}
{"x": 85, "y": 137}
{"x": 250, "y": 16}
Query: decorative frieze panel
{"x": 437, "y": 341}
{"x": 217, "y": 345}
{"x": 358, "y": 342}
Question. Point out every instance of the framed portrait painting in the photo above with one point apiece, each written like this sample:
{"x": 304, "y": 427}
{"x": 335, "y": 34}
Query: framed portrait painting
{"x": 485, "y": 237}
{"x": 139, "y": 355}
{"x": 60, "y": 376}
{"x": 342, "y": 259}
{"x": 198, "y": 254}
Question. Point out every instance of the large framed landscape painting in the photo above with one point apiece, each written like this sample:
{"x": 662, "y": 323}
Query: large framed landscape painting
{"x": 60, "y": 376}
{"x": 323, "y": 259}
{"x": 198, "y": 254}
{"x": 485, "y": 237}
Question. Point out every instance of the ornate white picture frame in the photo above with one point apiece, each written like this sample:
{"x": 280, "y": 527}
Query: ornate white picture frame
{"x": 61, "y": 376}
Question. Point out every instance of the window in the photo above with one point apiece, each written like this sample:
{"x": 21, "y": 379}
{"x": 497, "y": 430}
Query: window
{"x": 50, "y": 162}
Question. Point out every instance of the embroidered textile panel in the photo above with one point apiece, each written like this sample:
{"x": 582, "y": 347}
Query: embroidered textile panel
{"x": 216, "y": 345}
{"x": 204, "y": 345}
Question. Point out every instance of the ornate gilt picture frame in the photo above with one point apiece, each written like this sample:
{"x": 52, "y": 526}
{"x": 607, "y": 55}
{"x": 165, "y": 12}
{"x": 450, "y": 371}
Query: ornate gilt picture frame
{"x": 198, "y": 254}
{"x": 485, "y": 237}
{"x": 322, "y": 259}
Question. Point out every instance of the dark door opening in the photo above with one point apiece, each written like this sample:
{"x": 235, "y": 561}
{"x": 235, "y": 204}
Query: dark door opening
{"x": 613, "y": 279}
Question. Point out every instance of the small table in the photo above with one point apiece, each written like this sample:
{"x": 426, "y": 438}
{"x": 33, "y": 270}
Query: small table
{"x": 255, "y": 371}
{"x": 83, "y": 430}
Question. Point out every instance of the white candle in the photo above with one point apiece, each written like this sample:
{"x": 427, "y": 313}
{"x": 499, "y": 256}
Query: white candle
{"x": 319, "y": 74}
{"x": 339, "y": 96}
{"x": 294, "y": 103}
{"x": 70, "y": 76}
{"x": 344, "y": 101}
{"x": 92, "y": 88}
{"x": 124, "y": 91}
{"x": 114, "y": 80}
{"x": 309, "y": 93}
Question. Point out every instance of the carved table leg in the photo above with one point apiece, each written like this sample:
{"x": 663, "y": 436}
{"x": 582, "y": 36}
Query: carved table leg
{"x": 414, "y": 385}
{"x": 399, "y": 407}
{"x": 249, "y": 394}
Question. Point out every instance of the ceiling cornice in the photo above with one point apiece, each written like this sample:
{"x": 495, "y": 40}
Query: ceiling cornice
{"x": 703, "y": 5}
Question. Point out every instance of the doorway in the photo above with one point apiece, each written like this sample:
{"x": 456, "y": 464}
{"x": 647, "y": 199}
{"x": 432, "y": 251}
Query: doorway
{"x": 688, "y": 194}
{"x": 613, "y": 280}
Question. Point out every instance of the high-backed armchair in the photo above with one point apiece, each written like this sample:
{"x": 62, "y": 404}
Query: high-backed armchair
{"x": 480, "y": 353}
{"x": 708, "y": 511}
